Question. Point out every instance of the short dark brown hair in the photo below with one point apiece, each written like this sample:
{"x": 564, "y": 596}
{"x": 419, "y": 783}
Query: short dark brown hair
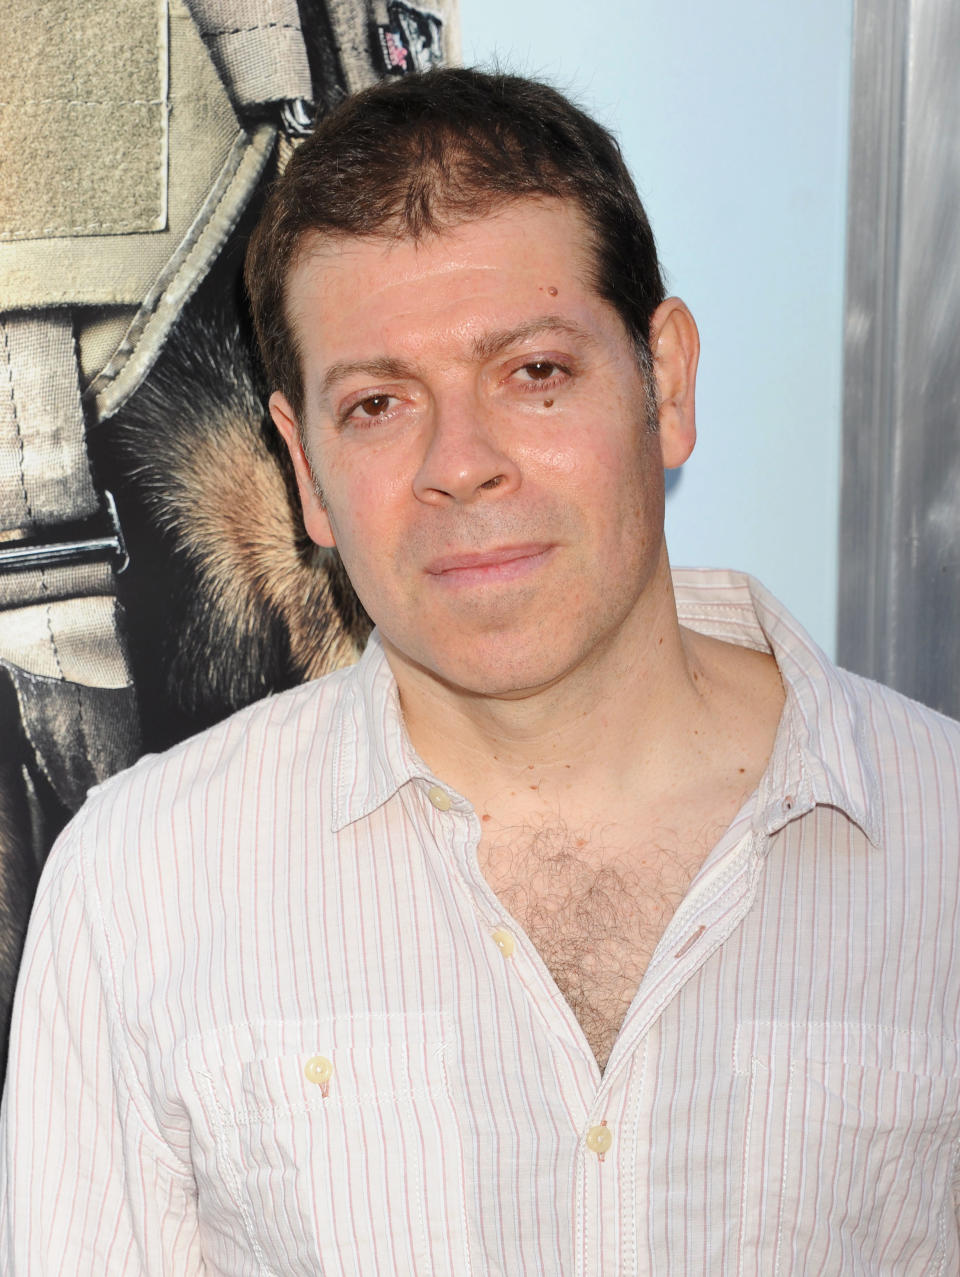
{"x": 410, "y": 156}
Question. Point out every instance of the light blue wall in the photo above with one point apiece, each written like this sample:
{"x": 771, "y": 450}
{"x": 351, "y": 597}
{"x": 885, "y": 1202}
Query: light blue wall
{"x": 733, "y": 119}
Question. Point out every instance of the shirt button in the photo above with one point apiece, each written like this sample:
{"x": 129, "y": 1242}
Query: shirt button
{"x": 440, "y": 798}
{"x": 318, "y": 1069}
{"x": 599, "y": 1139}
{"x": 504, "y": 941}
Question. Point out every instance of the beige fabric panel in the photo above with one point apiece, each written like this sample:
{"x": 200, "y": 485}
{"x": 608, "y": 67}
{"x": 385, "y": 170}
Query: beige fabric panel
{"x": 349, "y": 21}
{"x": 257, "y": 46}
{"x": 121, "y": 269}
{"x": 58, "y": 622}
{"x": 73, "y": 639}
{"x": 183, "y": 273}
{"x": 52, "y": 584}
{"x": 83, "y": 118}
{"x": 44, "y": 475}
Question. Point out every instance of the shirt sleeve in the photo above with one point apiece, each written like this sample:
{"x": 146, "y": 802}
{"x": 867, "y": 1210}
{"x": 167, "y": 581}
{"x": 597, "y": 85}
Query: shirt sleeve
{"x": 88, "y": 1187}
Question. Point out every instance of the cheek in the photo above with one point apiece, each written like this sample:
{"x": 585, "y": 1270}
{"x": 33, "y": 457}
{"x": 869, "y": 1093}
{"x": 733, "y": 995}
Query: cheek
{"x": 567, "y": 453}
{"x": 600, "y": 461}
{"x": 363, "y": 506}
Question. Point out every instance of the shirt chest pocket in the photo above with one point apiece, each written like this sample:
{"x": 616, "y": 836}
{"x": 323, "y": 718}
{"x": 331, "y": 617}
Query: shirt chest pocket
{"x": 849, "y": 1151}
{"x": 337, "y": 1146}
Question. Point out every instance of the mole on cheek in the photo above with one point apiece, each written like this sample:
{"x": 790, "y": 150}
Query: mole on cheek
{"x": 552, "y": 291}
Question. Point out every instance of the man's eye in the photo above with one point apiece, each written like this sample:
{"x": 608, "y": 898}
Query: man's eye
{"x": 540, "y": 370}
{"x": 369, "y": 411}
{"x": 373, "y": 405}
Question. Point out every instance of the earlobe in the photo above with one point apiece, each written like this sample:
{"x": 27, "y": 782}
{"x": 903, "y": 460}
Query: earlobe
{"x": 315, "y": 518}
{"x": 675, "y": 346}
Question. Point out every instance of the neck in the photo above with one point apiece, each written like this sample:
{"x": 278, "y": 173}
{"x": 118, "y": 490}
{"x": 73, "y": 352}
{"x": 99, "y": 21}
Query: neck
{"x": 616, "y": 723}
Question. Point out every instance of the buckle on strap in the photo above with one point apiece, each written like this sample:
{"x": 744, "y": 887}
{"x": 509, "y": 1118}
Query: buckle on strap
{"x": 70, "y": 549}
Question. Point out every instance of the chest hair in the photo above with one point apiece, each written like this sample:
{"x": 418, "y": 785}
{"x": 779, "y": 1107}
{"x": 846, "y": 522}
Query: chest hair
{"x": 594, "y": 911}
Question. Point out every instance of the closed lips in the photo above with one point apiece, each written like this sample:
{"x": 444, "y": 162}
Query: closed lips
{"x": 485, "y": 559}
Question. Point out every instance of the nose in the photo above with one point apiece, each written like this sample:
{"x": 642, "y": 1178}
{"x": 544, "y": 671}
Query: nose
{"x": 463, "y": 460}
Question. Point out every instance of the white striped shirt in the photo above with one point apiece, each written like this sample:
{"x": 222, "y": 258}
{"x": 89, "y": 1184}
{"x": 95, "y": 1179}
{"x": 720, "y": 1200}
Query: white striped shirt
{"x": 273, "y": 1021}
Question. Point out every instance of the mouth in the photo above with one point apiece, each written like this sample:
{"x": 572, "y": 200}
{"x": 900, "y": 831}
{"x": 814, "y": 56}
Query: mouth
{"x": 505, "y": 563}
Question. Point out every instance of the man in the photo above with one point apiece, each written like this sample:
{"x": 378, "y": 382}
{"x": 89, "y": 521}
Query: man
{"x": 594, "y": 923}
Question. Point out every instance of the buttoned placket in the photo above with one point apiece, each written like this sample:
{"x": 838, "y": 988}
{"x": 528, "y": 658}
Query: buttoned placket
{"x": 715, "y": 906}
{"x": 460, "y": 829}
{"x": 463, "y": 834}
{"x": 523, "y": 963}
{"x": 608, "y": 1197}
{"x": 612, "y": 1200}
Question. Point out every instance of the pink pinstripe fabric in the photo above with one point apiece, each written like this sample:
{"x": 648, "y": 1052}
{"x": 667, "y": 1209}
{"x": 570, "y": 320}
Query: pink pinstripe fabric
{"x": 784, "y": 1097}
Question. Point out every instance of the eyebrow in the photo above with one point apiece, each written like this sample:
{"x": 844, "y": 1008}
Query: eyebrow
{"x": 490, "y": 344}
{"x": 383, "y": 368}
{"x": 486, "y": 346}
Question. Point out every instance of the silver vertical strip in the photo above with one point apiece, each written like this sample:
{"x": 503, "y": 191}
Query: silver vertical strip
{"x": 899, "y": 603}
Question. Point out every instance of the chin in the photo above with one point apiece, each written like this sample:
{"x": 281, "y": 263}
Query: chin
{"x": 502, "y": 675}
{"x": 510, "y": 660}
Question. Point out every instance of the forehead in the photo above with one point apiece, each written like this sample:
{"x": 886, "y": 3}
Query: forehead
{"x": 530, "y": 251}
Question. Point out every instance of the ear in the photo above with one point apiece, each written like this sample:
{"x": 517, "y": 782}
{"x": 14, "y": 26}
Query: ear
{"x": 675, "y": 345}
{"x": 315, "y": 517}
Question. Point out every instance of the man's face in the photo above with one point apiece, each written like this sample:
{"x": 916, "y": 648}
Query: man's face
{"x": 478, "y": 425}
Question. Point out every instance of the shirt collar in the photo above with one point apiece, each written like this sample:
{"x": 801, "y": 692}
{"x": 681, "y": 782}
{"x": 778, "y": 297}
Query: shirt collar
{"x": 374, "y": 757}
{"x": 819, "y": 756}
